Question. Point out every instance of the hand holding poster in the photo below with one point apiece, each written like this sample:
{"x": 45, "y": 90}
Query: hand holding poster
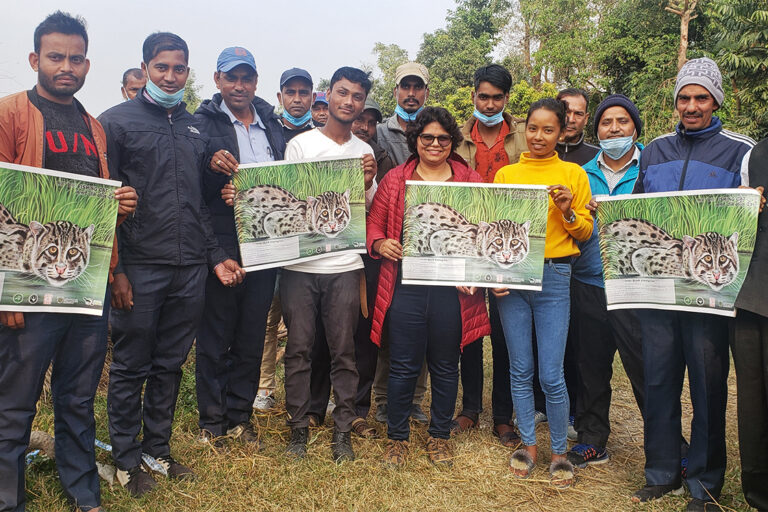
{"x": 686, "y": 251}
{"x": 474, "y": 234}
{"x": 56, "y": 235}
{"x": 290, "y": 212}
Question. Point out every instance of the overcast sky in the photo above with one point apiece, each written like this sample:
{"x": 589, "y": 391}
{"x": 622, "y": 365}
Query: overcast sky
{"x": 318, "y": 36}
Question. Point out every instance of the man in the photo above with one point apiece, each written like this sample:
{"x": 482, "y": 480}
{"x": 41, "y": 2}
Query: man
{"x": 241, "y": 128}
{"x": 133, "y": 81}
{"x": 327, "y": 288}
{"x": 750, "y": 348}
{"x": 700, "y": 154}
{"x": 159, "y": 288}
{"x": 296, "y": 98}
{"x": 492, "y": 139}
{"x": 597, "y": 333}
{"x": 320, "y": 109}
{"x": 572, "y": 147}
{"x": 29, "y": 342}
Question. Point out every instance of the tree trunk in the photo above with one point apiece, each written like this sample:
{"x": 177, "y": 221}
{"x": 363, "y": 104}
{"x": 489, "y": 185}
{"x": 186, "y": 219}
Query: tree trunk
{"x": 527, "y": 52}
{"x": 685, "y": 10}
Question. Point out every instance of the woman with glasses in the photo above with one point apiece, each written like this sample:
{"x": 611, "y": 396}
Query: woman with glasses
{"x": 431, "y": 321}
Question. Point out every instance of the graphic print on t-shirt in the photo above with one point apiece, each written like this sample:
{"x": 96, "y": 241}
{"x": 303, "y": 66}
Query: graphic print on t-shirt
{"x": 69, "y": 145}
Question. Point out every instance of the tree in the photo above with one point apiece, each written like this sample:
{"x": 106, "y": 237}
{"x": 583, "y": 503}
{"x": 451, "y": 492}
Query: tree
{"x": 388, "y": 58}
{"x": 685, "y": 10}
{"x": 192, "y": 93}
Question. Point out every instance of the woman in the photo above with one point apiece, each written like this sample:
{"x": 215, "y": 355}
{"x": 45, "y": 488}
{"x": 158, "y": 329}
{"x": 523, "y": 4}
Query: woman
{"x": 568, "y": 220}
{"x": 435, "y": 321}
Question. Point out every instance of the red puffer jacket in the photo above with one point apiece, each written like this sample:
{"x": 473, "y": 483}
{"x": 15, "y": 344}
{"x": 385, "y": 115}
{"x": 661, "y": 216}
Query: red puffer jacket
{"x": 385, "y": 220}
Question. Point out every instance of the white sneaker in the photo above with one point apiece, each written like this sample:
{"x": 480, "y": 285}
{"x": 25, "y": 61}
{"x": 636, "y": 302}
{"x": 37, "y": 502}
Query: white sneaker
{"x": 264, "y": 402}
{"x": 538, "y": 417}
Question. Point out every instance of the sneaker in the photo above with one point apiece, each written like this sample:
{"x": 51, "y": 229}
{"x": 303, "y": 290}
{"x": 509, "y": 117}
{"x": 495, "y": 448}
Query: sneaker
{"x": 699, "y": 505}
{"x": 244, "y": 432}
{"x": 297, "y": 446}
{"x": 582, "y": 455}
{"x": 264, "y": 403}
{"x": 417, "y": 415}
{"x": 396, "y": 453}
{"x": 439, "y": 451}
{"x": 538, "y": 417}
{"x": 174, "y": 469}
{"x": 136, "y": 480}
{"x": 381, "y": 413}
{"x": 206, "y": 437}
{"x": 654, "y": 492}
{"x": 572, "y": 434}
{"x": 341, "y": 446}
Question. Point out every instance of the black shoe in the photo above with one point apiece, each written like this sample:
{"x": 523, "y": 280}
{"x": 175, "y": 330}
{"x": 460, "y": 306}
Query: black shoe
{"x": 653, "y": 492}
{"x": 244, "y": 432}
{"x": 381, "y": 413}
{"x": 697, "y": 505}
{"x": 297, "y": 446}
{"x": 418, "y": 415}
{"x": 136, "y": 481}
{"x": 175, "y": 470}
{"x": 341, "y": 446}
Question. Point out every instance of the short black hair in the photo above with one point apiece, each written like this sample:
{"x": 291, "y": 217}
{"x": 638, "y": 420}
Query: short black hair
{"x": 354, "y": 75}
{"x": 573, "y": 91}
{"x": 135, "y": 72}
{"x": 430, "y": 115}
{"x": 61, "y": 23}
{"x": 495, "y": 75}
{"x": 163, "y": 42}
{"x": 553, "y": 105}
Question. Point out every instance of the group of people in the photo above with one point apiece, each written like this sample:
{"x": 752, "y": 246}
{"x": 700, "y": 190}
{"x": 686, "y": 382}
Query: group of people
{"x": 353, "y": 326}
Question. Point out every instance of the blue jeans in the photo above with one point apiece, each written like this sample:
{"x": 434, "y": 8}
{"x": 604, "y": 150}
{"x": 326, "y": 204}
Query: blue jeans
{"x": 549, "y": 311}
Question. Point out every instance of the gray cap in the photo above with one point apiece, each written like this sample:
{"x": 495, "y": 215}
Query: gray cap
{"x": 412, "y": 69}
{"x": 703, "y": 72}
{"x": 370, "y": 104}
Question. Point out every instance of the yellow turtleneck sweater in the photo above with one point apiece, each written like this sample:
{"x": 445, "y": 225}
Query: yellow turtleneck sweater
{"x": 561, "y": 236}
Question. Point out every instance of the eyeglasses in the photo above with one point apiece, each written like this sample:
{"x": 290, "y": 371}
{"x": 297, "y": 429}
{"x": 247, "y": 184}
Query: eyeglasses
{"x": 427, "y": 139}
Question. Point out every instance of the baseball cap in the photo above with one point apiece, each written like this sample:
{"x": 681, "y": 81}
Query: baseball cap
{"x": 294, "y": 73}
{"x": 232, "y": 57}
{"x": 320, "y": 98}
{"x": 370, "y": 104}
{"x": 412, "y": 69}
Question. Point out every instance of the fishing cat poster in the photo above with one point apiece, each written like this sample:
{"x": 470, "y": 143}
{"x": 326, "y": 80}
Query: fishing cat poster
{"x": 56, "y": 235}
{"x": 474, "y": 234}
{"x": 685, "y": 251}
{"x": 292, "y": 212}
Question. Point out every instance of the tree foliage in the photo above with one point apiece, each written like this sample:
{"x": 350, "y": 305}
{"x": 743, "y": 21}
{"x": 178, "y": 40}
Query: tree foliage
{"x": 192, "y": 93}
{"x": 388, "y": 58}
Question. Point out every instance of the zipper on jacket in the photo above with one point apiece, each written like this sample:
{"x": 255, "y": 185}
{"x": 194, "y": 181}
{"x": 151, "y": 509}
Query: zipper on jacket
{"x": 178, "y": 197}
{"x": 685, "y": 164}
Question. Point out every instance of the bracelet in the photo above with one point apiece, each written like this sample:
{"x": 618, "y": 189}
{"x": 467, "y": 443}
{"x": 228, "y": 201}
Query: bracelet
{"x": 571, "y": 219}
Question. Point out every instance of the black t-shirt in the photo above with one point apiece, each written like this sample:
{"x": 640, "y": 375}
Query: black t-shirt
{"x": 69, "y": 145}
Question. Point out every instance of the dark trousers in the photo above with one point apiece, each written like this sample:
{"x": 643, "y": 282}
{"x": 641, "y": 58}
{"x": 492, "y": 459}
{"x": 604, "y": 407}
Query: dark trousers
{"x": 423, "y": 321}
{"x": 750, "y": 355}
{"x": 472, "y": 374}
{"x": 151, "y": 343}
{"x": 229, "y": 348}
{"x": 335, "y": 299}
{"x": 597, "y": 333}
{"x": 76, "y": 344}
{"x": 672, "y": 341}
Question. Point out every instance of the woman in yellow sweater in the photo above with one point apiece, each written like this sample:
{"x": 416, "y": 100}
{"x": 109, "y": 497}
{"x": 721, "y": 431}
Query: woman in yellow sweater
{"x": 568, "y": 221}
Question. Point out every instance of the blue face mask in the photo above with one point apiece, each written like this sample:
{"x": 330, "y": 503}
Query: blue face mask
{"x": 488, "y": 120}
{"x": 162, "y": 98}
{"x": 405, "y": 116}
{"x": 618, "y": 147}
{"x": 297, "y": 121}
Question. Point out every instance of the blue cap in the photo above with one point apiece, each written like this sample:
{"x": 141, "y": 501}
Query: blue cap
{"x": 320, "y": 98}
{"x": 232, "y": 57}
{"x": 294, "y": 73}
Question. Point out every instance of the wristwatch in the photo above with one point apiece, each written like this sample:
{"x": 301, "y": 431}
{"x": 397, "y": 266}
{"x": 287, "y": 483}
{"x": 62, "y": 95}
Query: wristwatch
{"x": 571, "y": 219}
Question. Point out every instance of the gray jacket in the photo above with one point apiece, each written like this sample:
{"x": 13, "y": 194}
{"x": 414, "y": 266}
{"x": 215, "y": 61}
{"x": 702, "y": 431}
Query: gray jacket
{"x": 391, "y": 137}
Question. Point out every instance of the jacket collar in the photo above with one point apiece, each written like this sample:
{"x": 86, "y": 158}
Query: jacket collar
{"x": 569, "y": 146}
{"x": 459, "y": 166}
{"x": 178, "y": 110}
{"x": 715, "y": 127}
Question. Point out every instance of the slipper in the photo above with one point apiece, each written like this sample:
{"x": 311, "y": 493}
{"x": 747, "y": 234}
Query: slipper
{"x": 561, "y": 472}
{"x": 521, "y": 464}
{"x": 462, "y": 423}
{"x": 361, "y": 428}
{"x": 509, "y": 438}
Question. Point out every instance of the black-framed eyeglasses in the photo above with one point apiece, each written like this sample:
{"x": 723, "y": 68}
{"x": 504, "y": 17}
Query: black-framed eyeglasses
{"x": 427, "y": 139}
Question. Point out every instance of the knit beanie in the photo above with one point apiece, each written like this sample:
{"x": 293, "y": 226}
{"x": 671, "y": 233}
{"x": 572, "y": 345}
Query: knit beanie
{"x": 619, "y": 100}
{"x": 703, "y": 72}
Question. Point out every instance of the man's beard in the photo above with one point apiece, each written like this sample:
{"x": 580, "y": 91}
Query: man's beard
{"x": 59, "y": 91}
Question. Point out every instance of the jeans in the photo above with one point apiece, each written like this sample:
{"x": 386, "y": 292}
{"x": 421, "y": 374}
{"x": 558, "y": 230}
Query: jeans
{"x": 549, "y": 311}
{"x": 423, "y": 320}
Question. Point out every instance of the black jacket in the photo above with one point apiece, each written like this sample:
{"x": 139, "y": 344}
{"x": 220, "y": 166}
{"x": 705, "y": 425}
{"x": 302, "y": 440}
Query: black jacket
{"x": 161, "y": 157}
{"x": 216, "y": 125}
{"x": 578, "y": 152}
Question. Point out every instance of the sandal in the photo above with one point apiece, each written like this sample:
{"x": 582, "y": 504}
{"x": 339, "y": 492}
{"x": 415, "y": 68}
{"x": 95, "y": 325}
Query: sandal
{"x": 507, "y": 435}
{"x": 521, "y": 463}
{"x": 561, "y": 473}
{"x": 463, "y": 423}
{"x": 362, "y": 429}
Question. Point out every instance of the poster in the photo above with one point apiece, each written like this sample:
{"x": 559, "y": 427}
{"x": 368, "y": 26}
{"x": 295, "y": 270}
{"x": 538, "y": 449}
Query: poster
{"x": 474, "y": 234}
{"x": 685, "y": 251}
{"x": 293, "y": 212}
{"x": 56, "y": 234}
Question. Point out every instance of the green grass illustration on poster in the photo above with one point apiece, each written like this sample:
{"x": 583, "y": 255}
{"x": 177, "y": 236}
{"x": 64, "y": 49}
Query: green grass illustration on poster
{"x": 291, "y": 212}
{"x": 685, "y": 251}
{"x": 56, "y": 234}
{"x": 474, "y": 234}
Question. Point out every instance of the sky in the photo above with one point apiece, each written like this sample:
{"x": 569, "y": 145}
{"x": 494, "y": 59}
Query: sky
{"x": 317, "y": 36}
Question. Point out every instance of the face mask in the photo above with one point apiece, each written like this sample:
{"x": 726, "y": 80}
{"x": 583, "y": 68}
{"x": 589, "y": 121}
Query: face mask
{"x": 618, "y": 147}
{"x": 405, "y": 116}
{"x": 163, "y": 98}
{"x": 488, "y": 120}
{"x": 297, "y": 121}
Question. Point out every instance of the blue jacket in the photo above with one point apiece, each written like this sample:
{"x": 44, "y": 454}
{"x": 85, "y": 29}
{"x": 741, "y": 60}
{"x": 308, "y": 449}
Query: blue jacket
{"x": 683, "y": 160}
{"x": 587, "y": 267}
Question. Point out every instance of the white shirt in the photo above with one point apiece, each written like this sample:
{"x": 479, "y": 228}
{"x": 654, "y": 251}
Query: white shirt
{"x": 313, "y": 144}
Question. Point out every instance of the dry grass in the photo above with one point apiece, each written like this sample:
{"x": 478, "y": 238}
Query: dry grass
{"x": 242, "y": 480}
